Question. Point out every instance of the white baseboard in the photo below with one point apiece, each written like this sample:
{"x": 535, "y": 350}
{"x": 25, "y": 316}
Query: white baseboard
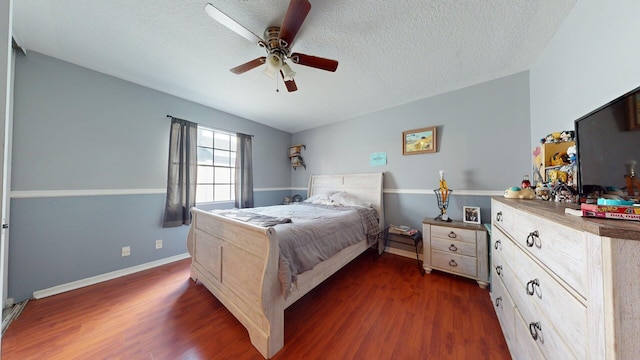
{"x": 39, "y": 294}
{"x": 59, "y": 289}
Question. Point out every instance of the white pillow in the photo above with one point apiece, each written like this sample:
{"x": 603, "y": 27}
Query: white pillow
{"x": 345, "y": 199}
{"x": 321, "y": 198}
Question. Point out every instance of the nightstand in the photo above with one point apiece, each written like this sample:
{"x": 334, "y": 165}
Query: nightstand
{"x": 457, "y": 248}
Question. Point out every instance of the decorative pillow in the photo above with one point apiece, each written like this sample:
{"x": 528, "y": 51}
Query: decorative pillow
{"x": 345, "y": 199}
{"x": 321, "y": 198}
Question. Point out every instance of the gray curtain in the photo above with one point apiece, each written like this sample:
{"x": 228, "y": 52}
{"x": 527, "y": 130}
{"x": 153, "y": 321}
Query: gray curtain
{"x": 244, "y": 172}
{"x": 181, "y": 180}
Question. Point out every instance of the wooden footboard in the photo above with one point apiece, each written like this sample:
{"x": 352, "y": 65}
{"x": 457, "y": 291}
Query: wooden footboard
{"x": 238, "y": 263}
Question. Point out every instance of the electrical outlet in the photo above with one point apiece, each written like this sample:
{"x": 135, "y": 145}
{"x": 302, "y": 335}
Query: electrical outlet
{"x": 126, "y": 250}
{"x": 158, "y": 244}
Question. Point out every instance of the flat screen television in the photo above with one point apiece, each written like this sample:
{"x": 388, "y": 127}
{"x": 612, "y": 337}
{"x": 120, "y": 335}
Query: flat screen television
{"x": 607, "y": 140}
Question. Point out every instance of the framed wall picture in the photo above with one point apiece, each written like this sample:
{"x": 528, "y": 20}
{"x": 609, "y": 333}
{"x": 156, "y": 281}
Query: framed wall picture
{"x": 419, "y": 141}
{"x": 471, "y": 214}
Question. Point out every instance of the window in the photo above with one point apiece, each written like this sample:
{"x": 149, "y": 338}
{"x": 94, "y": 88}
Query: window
{"x": 216, "y": 166}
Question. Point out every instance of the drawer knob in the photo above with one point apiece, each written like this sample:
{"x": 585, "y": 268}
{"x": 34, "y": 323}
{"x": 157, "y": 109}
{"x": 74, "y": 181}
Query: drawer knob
{"x": 499, "y": 216}
{"x": 453, "y": 263}
{"x": 498, "y": 244}
{"x": 535, "y": 329}
{"x": 499, "y": 270}
{"x": 453, "y": 235}
{"x": 498, "y": 301}
{"x": 453, "y": 247}
{"x": 534, "y": 238}
{"x": 532, "y": 286}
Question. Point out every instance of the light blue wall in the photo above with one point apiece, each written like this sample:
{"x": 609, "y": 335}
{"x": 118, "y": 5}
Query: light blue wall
{"x": 77, "y": 129}
{"x": 588, "y": 63}
{"x": 483, "y": 145}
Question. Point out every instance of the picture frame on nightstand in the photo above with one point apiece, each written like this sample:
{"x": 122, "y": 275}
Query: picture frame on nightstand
{"x": 471, "y": 214}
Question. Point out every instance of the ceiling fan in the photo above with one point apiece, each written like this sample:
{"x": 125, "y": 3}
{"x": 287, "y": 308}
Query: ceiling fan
{"x": 277, "y": 43}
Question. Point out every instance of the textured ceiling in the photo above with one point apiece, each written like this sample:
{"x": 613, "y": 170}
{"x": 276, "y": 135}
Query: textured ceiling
{"x": 390, "y": 52}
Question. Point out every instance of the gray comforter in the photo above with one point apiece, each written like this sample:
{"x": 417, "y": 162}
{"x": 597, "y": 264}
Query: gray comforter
{"x": 309, "y": 234}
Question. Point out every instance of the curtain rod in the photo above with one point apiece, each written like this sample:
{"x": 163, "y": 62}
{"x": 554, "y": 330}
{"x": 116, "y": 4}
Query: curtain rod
{"x": 229, "y": 131}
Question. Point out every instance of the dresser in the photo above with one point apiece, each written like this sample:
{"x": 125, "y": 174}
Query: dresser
{"x": 564, "y": 287}
{"x": 457, "y": 248}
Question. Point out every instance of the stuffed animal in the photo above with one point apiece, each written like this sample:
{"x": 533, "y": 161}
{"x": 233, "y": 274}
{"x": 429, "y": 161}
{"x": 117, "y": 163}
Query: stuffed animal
{"x": 567, "y": 135}
{"x": 559, "y": 158}
{"x": 571, "y": 152}
{"x": 519, "y": 193}
{"x": 557, "y": 175}
{"x": 552, "y": 138}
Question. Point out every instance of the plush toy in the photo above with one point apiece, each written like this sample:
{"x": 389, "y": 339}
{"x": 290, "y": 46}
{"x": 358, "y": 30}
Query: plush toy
{"x": 557, "y": 175}
{"x": 552, "y": 138}
{"x": 559, "y": 158}
{"x": 519, "y": 193}
{"x": 571, "y": 152}
{"x": 567, "y": 135}
{"x": 543, "y": 192}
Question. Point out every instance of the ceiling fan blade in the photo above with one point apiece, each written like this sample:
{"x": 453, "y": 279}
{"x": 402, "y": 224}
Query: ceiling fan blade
{"x": 291, "y": 84}
{"x": 248, "y": 65}
{"x": 314, "y": 61}
{"x": 225, "y": 20}
{"x": 296, "y": 13}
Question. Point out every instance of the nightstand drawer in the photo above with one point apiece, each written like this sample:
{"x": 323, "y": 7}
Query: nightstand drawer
{"x": 454, "y": 247}
{"x": 449, "y": 233}
{"x": 454, "y": 263}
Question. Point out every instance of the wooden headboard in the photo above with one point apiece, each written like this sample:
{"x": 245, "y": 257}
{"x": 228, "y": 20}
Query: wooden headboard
{"x": 368, "y": 187}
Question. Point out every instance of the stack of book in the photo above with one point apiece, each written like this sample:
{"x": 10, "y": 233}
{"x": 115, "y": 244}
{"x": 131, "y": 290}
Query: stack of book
{"x": 611, "y": 211}
{"x": 402, "y": 230}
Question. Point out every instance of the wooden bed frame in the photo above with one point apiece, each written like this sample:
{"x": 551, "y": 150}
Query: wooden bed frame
{"x": 238, "y": 262}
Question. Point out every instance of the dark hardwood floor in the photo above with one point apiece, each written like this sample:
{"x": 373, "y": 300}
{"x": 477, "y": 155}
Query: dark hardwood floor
{"x": 381, "y": 309}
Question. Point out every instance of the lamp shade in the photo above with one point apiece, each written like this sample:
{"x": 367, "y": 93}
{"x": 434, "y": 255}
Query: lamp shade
{"x": 288, "y": 72}
{"x": 274, "y": 64}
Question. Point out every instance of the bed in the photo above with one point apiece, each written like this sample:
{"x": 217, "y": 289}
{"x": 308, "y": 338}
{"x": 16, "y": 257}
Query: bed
{"x": 239, "y": 262}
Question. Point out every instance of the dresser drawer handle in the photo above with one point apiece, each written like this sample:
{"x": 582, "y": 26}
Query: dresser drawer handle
{"x": 453, "y": 263}
{"x": 498, "y": 301}
{"x": 536, "y": 330}
{"x": 498, "y": 244}
{"x": 531, "y": 239}
{"x": 499, "y": 270}
{"x": 531, "y": 287}
{"x": 453, "y": 247}
{"x": 453, "y": 235}
{"x": 499, "y": 216}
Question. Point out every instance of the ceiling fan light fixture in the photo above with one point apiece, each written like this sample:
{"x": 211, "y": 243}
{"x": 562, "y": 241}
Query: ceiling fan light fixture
{"x": 274, "y": 64}
{"x": 288, "y": 72}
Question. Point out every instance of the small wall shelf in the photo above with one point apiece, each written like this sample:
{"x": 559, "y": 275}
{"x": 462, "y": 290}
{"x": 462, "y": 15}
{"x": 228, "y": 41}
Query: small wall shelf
{"x": 294, "y": 156}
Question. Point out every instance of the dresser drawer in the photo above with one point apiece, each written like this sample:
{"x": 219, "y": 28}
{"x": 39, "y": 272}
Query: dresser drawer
{"x": 504, "y": 307}
{"x": 539, "y": 296}
{"x": 525, "y": 347}
{"x": 559, "y": 248}
{"x": 453, "y": 246}
{"x": 454, "y": 263}
{"x": 502, "y": 216}
{"x": 498, "y": 239}
{"x": 540, "y": 331}
{"x": 449, "y": 233}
